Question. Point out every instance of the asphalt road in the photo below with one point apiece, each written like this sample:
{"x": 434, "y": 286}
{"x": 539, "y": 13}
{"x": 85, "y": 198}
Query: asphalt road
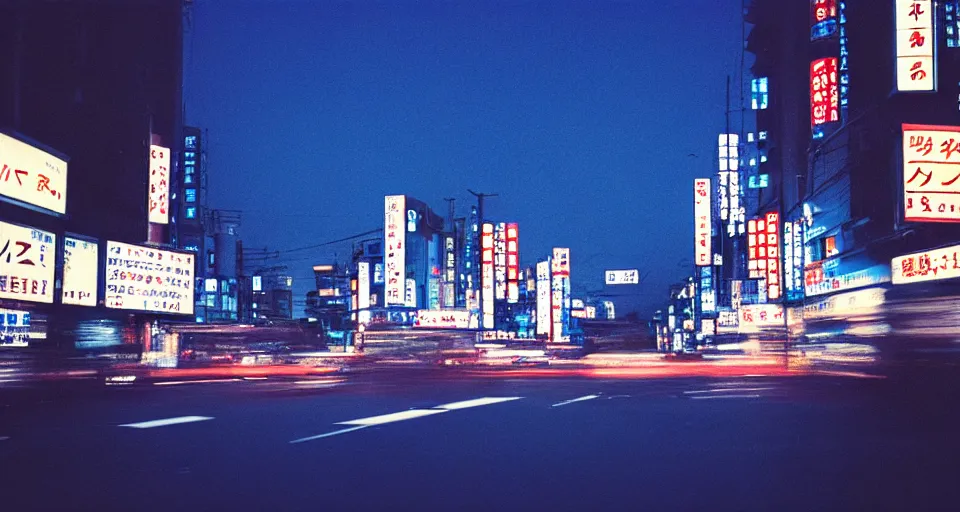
{"x": 750, "y": 443}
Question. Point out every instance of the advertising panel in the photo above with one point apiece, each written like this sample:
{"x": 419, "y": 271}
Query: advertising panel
{"x": 754, "y": 317}
{"x": 613, "y": 277}
{"x": 819, "y": 280}
{"x": 257, "y": 283}
{"x": 410, "y": 293}
{"x": 823, "y": 18}
{"x": 935, "y": 264}
{"x": 916, "y": 65}
{"x": 32, "y": 176}
{"x": 824, "y": 91}
{"x": 513, "y": 263}
{"x": 728, "y": 322}
{"x": 500, "y": 261}
{"x": 703, "y": 255}
{"x": 445, "y": 319}
{"x": 80, "y": 273}
{"x": 148, "y": 279}
{"x": 708, "y": 326}
{"x": 486, "y": 274}
{"x": 450, "y": 272}
{"x": 395, "y": 246}
{"x": 543, "y": 298}
{"x": 774, "y": 286}
{"x": 757, "y": 248}
{"x": 732, "y": 210}
{"x": 159, "y": 197}
{"x": 27, "y": 262}
{"x": 560, "y": 296}
{"x": 363, "y": 290}
{"x": 931, "y": 173}
{"x": 793, "y": 259}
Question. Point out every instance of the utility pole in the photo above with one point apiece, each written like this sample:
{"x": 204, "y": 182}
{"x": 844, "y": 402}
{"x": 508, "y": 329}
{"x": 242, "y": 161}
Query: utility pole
{"x": 480, "y": 197}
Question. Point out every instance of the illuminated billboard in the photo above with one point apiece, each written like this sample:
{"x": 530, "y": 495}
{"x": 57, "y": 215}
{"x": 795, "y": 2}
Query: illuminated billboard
{"x": 27, "y": 262}
{"x": 612, "y": 277}
{"x": 560, "y": 294}
{"x": 935, "y": 264}
{"x": 702, "y": 223}
{"x": 410, "y": 293}
{"x": 757, "y": 248}
{"x": 486, "y": 274}
{"x": 824, "y": 277}
{"x": 773, "y": 275}
{"x": 731, "y": 208}
{"x": 500, "y": 260}
{"x": 513, "y": 263}
{"x": 395, "y": 245}
{"x": 148, "y": 279}
{"x": 445, "y": 319}
{"x": 543, "y": 298}
{"x": 363, "y": 290}
{"x": 823, "y": 18}
{"x": 754, "y": 317}
{"x": 32, "y": 176}
{"x": 793, "y": 259}
{"x": 916, "y": 65}
{"x": 159, "y": 196}
{"x": 824, "y": 92}
{"x": 931, "y": 173}
{"x": 80, "y": 266}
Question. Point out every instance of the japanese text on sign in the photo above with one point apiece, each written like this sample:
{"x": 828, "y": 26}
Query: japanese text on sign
{"x": 159, "y": 199}
{"x": 560, "y": 296}
{"x": 486, "y": 274}
{"x": 395, "y": 247}
{"x": 543, "y": 298}
{"x": 79, "y": 272}
{"x": 513, "y": 263}
{"x": 915, "y": 45}
{"x": 824, "y": 92}
{"x": 931, "y": 173}
{"x": 500, "y": 260}
{"x": 26, "y": 263}
{"x": 148, "y": 279}
{"x": 622, "y": 277}
{"x": 773, "y": 256}
{"x": 31, "y": 175}
{"x": 702, "y": 223}
{"x": 930, "y": 265}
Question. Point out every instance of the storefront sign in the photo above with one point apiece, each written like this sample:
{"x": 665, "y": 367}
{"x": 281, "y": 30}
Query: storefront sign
{"x": 148, "y": 279}
{"x": 26, "y": 263}
{"x": 80, "y": 272}
{"x": 935, "y": 264}
{"x": 32, "y": 176}
{"x": 395, "y": 245}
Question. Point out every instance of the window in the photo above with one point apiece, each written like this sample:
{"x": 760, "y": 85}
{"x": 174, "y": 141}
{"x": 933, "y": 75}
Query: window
{"x": 188, "y": 179}
{"x": 830, "y": 246}
{"x": 211, "y": 258}
{"x": 189, "y": 155}
{"x": 762, "y": 135}
{"x": 952, "y": 23}
{"x": 211, "y": 300}
{"x": 758, "y": 93}
{"x": 191, "y": 212}
{"x": 191, "y": 195}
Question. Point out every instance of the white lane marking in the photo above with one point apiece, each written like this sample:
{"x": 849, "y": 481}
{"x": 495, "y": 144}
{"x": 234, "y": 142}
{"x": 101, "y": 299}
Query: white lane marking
{"x": 581, "y": 399}
{"x": 202, "y": 381}
{"x": 166, "y": 421}
{"x": 709, "y": 397}
{"x": 724, "y": 390}
{"x": 328, "y": 434}
{"x": 477, "y": 402}
{"x": 390, "y": 418}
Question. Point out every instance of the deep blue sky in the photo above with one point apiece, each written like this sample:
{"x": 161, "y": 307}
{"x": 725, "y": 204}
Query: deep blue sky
{"x": 581, "y": 115}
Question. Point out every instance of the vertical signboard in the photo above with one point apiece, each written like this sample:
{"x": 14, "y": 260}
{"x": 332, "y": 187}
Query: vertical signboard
{"x": 793, "y": 278}
{"x": 32, "y": 176}
{"x": 916, "y": 65}
{"x": 500, "y": 260}
{"x": 560, "y": 296}
{"x": 410, "y": 293}
{"x": 543, "y": 298}
{"x": 757, "y": 248}
{"x": 79, "y": 272}
{"x": 513, "y": 263}
{"x": 702, "y": 223}
{"x": 26, "y": 263}
{"x": 450, "y": 273}
{"x": 159, "y": 202}
{"x": 823, "y": 19}
{"x": 824, "y": 92}
{"x": 395, "y": 247}
{"x": 732, "y": 212}
{"x": 774, "y": 286}
{"x": 931, "y": 173}
{"x": 486, "y": 275}
{"x": 363, "y": 291}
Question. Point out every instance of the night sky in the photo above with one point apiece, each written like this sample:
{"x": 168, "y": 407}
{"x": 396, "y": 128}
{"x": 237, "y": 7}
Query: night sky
{"x": 581, "y": 115}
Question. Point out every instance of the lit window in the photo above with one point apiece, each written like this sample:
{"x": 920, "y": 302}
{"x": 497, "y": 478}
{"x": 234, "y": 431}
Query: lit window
{"x": 188, "y": 179}
{"x": 762, "y": 135}
{"x": 191, "y": 212}
{"x": 758, "y": 93}
{"x": 830, "y": 246}
{"x": 750, "y": 137}
{"x": 189, "y": 168}
{"x": 753, "y": 161}
{"x": 189, "y": 154}
{"x": 191, "y": 195}
{"x": 211, "y": 300}
{"x": 763, "y": 158}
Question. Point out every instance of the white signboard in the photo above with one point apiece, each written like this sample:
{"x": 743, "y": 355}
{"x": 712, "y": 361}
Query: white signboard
{"x": 486, "y": 274}
{"x": 410, "y": 297}
{"x": 500, "y": 261}
{"x": 31, "y": 175}
{"x": 916, "y": 65}
{"x": 363, "y": 290}
{"x": 159, "y": 201}
{"x": 753, "y": 317}
{"x": 560, "y": 294}
{"x": 543, "y": 298}
{"x": 703, "y": 256}
{"x": 147, "y": 279}
{"x": 395, "y": 247}
{"x": 830, "y": 282}
{"x": 80, "y": 267}
{"x": 445, "y": 319}
{"x": 27, "y": 261}
{"x": 935, "y": 264}
{"x": 622, "y": 277}
{"x": 931, "y": 173}
{"x": 257, "y": 283}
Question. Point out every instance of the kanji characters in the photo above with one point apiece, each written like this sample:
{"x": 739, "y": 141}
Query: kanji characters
{"x": 916, "y": 73}
{"x": 917, "y": 39}
{"x": 916, "y": 9}
{"x": 927, "y": 175}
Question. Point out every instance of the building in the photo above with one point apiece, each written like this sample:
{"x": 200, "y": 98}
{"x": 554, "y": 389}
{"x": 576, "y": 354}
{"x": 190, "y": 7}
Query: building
{"x": 854, "y": 92}
{"x": 413, "y": 243}
{"x": 97, "y": 87}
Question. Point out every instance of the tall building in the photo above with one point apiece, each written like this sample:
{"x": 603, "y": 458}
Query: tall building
{"x": 93, "y": 85}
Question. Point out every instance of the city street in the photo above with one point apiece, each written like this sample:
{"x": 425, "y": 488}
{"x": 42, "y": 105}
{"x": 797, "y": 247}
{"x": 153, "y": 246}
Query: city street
{"x": 451, "y": 440}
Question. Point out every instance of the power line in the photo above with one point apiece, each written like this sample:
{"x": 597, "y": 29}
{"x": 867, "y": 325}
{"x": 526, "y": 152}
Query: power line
{"x": 317, "y": 246}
